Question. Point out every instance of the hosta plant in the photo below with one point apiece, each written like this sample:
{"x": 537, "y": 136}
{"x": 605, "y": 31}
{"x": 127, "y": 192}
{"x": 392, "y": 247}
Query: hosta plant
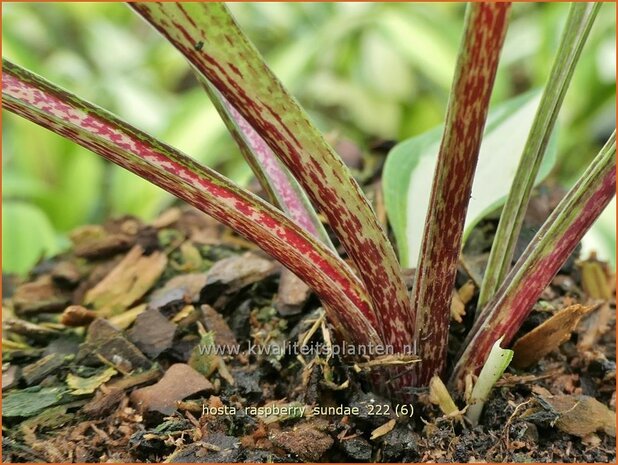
{"x": 365, "y": 298}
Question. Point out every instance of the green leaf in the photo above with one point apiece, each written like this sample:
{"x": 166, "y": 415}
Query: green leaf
{"x": 30, "y": 401}
{"x": 581, "y": 18}
{"x": 27, "y": 235}
{"x": 435, "y": 58}
{"x": 411, "y": 164}
{"x": 80, "y": 385}
{"x": 16, "y": 185}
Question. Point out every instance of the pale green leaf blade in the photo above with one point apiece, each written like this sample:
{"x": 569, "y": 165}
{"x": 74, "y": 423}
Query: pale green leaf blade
{"x": 410, "y": 165}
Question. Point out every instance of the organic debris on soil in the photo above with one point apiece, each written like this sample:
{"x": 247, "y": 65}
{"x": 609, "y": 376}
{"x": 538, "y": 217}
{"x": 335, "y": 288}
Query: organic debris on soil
{"x": 139, "y": 343}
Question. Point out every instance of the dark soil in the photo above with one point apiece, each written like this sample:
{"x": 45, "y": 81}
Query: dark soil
{"x": 101, "y": 363}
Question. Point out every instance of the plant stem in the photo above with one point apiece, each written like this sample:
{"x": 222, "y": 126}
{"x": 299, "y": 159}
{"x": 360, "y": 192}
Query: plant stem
{"x": 282, "y": 188}
{"x": 41, "y": 102}
{"x": 497, "y": 361}
{"x": 485, "y": 28}
{"x": 540, "y": 262}
{"x": 207, "y": 35}
{"x": 579, "y": 22}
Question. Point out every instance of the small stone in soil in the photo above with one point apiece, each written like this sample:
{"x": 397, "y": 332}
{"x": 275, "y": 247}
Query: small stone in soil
{"x": 179, "y": 291}
{"x": 292, "y": 294}
{"x": 362, "y": 401}
{"x": 399, "y": 443}
{"x": 228, "y": 276}
{"x": 357, "y": 448}
{"x": 247, "y": 381}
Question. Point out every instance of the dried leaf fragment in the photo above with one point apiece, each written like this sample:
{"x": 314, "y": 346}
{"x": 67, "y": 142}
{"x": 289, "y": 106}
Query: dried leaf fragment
{"x": 382, "y": 430}
{"x": 179, "y": 382}
{"x": 548, "y": 336}
{"x": 598, "y": 283}
{"x": 596, "y": 279}
{"x": 80, "y": 385}
{"x": 439, "y": 395}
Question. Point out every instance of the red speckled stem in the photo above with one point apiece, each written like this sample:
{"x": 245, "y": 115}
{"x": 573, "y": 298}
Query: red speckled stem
{"x": 540, "y": 262}
{"x": 274, "y": 177}
{"x": 486, "y": 25}
{"x": 207, "y": 35}
{"x": 43, "y": 103}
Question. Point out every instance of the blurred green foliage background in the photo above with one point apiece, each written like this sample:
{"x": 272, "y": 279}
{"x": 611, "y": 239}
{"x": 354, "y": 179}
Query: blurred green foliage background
{"x": 362, "y": 70}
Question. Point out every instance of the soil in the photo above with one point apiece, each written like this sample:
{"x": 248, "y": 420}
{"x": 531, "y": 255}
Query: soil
{"x": 102, "y": 362}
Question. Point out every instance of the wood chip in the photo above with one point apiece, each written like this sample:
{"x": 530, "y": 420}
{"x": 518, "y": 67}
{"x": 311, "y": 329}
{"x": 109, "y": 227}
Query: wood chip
{"x": 582, "y": 415}
{"x": 39, "y": 370}
{"x": 105, "y": 340}
{"x": 178, "y": 291}
{"x": 39, "y": 296}
{"x": 125, "y": 319}
{"x": 548, "y": 336}
{"x": 10, "y": 377}
{"x": 127, "y": 282}
{"x": 103, "y": 403}
{"x": 30, "y": 330}
{"x": 66, "y": 274}
{"x": 93, "y": 241}
{"x": 228, "y": 276}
